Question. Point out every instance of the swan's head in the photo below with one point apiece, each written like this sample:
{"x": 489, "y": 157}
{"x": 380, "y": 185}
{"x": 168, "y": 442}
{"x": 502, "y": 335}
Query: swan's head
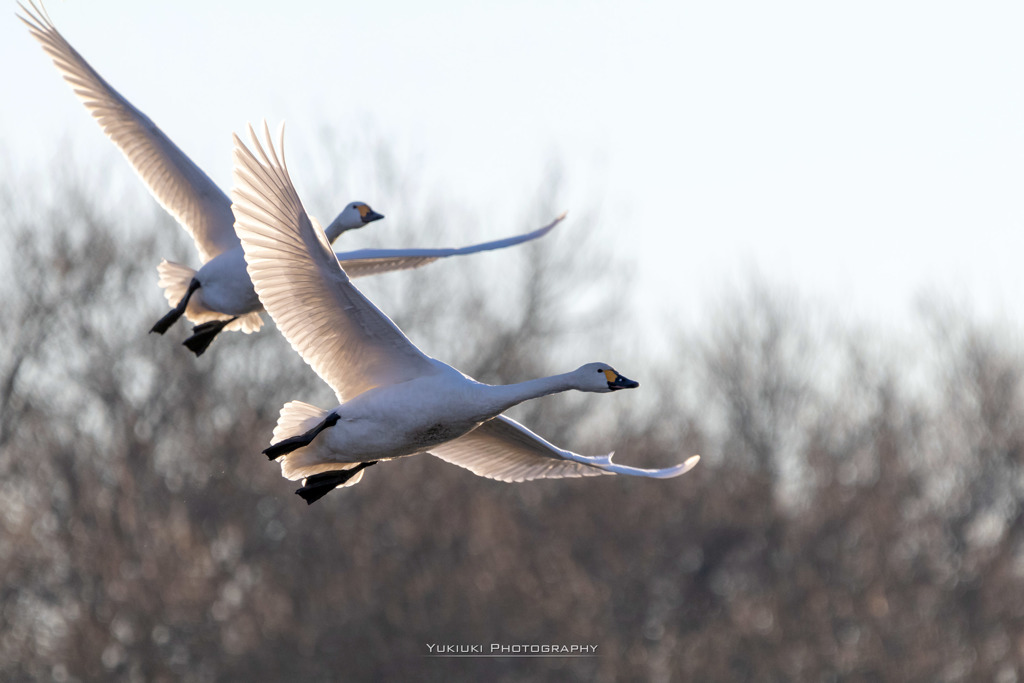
{"x": 355, "y": 215}
{"x": 602, "y": 378}
{"x": 358, "y": 214}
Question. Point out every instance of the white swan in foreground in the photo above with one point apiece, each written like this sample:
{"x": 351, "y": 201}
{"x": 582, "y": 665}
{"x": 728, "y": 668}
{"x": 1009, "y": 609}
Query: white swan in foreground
{"x": 219, "y": 296}
{"x": 395, "y": 400}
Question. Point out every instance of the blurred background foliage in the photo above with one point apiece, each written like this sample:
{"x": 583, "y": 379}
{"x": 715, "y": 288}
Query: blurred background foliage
{"x": 856, "y": 514}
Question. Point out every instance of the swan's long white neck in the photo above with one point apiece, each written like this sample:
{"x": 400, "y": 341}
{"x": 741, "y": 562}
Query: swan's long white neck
{"x": 337, "y": 226}
{"x": 501, "y": 397}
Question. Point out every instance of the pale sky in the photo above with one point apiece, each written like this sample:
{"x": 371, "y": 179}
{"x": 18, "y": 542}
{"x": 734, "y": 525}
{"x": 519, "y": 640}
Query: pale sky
{"x": 858, "y": 152}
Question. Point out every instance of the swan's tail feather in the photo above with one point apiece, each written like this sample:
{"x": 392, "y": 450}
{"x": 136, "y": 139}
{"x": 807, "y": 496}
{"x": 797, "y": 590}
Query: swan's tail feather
{"x": 171, "y": 317}
{"x": 248, "y": 323}
{"x": 294, "y": 443}
{"x": 298, "y": 418}
{"x": 174, "y": 280}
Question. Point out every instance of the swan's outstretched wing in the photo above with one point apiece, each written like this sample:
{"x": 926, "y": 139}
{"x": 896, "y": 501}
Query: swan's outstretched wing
{"x": 344, "y": 338}
{"x": 175, "y": 181}
{"x": 505, "y": 450}
{"x": 365, "y": 262}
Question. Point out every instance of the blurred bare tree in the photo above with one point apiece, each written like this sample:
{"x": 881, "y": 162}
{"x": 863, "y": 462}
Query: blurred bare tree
{"x": 855, "y": 516}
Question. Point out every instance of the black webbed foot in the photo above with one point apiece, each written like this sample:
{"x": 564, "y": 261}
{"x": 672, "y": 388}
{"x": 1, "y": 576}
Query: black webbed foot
{"x": 319, "y": 485}
{"x": 286, "y": 446}
{"x": 204, "y": 334}
{"x": 164, "y": 323}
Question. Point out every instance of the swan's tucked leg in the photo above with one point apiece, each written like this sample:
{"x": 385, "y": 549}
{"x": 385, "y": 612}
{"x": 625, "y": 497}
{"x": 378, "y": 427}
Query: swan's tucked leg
{"x": 317, "y": 486}
{"x": 295, "y": 442}
{"x": 164, "y": 323}
{"x": 204, "y": 334}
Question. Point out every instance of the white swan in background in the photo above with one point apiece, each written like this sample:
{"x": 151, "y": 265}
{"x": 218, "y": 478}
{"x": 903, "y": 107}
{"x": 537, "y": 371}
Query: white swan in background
{"x": 219, "y": 296}
{"x": 394, "y": 399}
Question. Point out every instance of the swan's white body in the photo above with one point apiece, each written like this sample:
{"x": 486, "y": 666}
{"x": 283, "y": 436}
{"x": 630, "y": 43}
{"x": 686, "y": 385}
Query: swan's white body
{"x": 226, "y": 289}
{"x": 394, "y": 399}
{"x": 225, "y": 292}
{"x": 368, "y": 429}
{"x": 226, "y": 286}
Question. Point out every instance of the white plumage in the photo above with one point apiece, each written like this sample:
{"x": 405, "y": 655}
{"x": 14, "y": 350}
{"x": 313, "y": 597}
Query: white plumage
{"x": 394, "y": 399}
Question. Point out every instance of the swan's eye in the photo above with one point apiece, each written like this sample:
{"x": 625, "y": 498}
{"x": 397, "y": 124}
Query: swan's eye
{"x": 599, "y": 370}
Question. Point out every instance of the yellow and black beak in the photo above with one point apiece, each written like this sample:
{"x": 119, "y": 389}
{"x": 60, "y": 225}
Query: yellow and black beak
{"x": 368, "y": 215}
{"x": 617, "y": 381}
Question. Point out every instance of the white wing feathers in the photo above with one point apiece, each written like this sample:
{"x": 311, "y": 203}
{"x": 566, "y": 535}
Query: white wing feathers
{"x": 175, "y": 181}
{"x": 505, "y": 450}
{"x": 347, "y": 340}
{"x": 365, "y": 262}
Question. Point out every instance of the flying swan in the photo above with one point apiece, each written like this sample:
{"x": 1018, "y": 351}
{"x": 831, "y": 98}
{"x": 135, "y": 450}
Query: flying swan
{"x": 394, "y": 399}
{"x": 219, "y": 296}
